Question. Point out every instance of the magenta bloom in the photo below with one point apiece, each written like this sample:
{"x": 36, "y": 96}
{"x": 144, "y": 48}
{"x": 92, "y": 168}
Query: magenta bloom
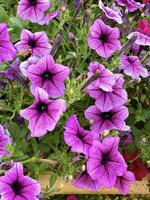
{"x": 77, "y": 138}
{"x": 110, "y": 13}
{"x": 108, "y": 100}
{"x": 105, "y": 80}
{"x": 105, "y": 163}
{"x": 32, "y": 10}
{"x": 131, "y": 5}
{"x": 43, "y": 114}
{"x": 123, "y": 182}
{"x": 15, "y": 186}
{"x": 37, "y": 43}
{"x": 24, "y": 65}
{"x": 132, "y": 66}
{"x": 112, "y": 119}
{"x": 48, "y": 75}
{"x": 83, "y": 180}
{"x": 141, "y": 39}
{"x": 7, "y": 50}
{"x": 4, "y": 141}
{"x": 104, "y": 39}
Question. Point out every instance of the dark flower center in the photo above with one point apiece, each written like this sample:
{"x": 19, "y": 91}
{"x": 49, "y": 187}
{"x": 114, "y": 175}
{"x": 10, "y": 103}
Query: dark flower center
{"x": 104, "y": 38}
{"x": 46, "y": 75}
{"x": 16, "y": 186}
{"x": 106, "y": 115}
{"x": 42, "y": 107}
{"x": 33, "y": 2}
{"x": 105, "y": 158}
{"x": 32, "y": 43}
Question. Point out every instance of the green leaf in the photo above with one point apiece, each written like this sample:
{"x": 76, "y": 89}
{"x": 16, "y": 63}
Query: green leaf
{"x": 3, "y": 15}
{"x": 52, "y": 180}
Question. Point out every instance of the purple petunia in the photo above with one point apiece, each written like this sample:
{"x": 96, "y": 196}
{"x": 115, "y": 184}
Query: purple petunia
{"x": 34, "y": 10}
{"x": 123, "y": 182}
{"x": 7, "y": 50}
{"x": 14, "y": 185}
{"x": 77, "y": 138}
{"x": 132, "y": 66}
{"x": 4, "y": 141}
{"x": 37, "y": 43}
{"x": 109, "y": 100}
{"x": 105, "y": 80}
{"x": 104, "y": 39}
{"x": 83, "y": 180}
{"x": 112, "y": 119}
{"x": 43, "y": 114}
{"x": 141, "y": 39}
{"x": 48, "y": 75}
{"x": 131, "y": 5}
{"x": 110, "y": 13}
{"x": 105, "y": 163}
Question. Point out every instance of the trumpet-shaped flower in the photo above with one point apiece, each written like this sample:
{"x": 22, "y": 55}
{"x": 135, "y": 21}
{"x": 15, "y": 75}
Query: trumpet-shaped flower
{"x": 7, "y": 50}
{"x": 43, "y": 114}
{"x": 106, "y": 100}
{"x": 105, "y": 163}
{"x": 37, "y": 43}
{"x": 14, "y": 185}
{"x": 77, "y": 138}
{"x": 108, "y": 120}
{"x": 105, "y": 79}
{"x": 104, "y": 39}
{"x": 132, "y": 66}
{"x": 48, "y": 75}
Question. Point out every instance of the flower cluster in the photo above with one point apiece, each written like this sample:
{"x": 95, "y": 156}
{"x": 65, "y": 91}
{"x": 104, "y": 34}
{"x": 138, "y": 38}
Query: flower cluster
{"x": 104, "y": 164}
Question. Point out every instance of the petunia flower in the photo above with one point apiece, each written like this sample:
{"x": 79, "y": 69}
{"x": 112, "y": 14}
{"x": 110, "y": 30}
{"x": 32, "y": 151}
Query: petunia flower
{"x": 32, "y": 10}
{"x": 105, "y": 80}
{"x": 77, "y": 138}
{"x": 24, "y": 65}
{"x": 13, "y": 73}
{"x": 142, "y": 33}
{"x": 146, "y": 1}
{"x": 131, "y": 5}
{"x": 110, "y": 13}
{"x": 4, "y": 141}
{"x": 124, "y": 182}
{"x": 105, "y": 163}
{"x": 132, "y": 66}
{"x": 84, "y": 180}
{"x": 112, "y": 119}
{"x": 14, "y": 185}
{"x": 104, "y": 39}
{"x": 7, "y": 50}
{"x": 43, "y": 114}
{"x": 37, "y": 43}
{"x": 48, "y": 75}
{"x": 109, "y": 100}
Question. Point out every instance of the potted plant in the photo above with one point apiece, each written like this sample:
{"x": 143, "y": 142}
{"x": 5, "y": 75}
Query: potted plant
{"x": 74, "y": 98}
